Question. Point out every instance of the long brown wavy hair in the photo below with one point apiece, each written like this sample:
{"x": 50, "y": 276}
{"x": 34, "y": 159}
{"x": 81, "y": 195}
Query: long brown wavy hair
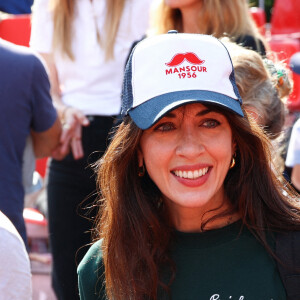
{"x": 219, "y": 18}
{"x": 136, "y": 229}
{"x": 63, "y": 15}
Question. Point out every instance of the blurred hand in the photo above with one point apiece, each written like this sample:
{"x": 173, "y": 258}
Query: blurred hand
{"x": 71, "y": 135}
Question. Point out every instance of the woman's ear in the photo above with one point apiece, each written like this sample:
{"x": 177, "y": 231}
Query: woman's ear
{"x": 140, "y": 157}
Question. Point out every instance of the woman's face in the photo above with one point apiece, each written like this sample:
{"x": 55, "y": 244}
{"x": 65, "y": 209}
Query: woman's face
{"x": 179, "y": 4}
{"x": 187, "y": 154}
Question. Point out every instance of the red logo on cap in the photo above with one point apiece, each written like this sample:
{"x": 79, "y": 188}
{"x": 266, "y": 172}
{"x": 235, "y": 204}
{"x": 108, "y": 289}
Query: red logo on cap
{"x": 179, "y": 58}
{"x": 185, "y": 71}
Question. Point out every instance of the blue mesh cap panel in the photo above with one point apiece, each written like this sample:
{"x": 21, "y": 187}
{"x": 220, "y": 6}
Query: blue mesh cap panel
{"x": 232, "y": 77}
{"x": 127, "y": 96}
{"x": 235, "y": 88}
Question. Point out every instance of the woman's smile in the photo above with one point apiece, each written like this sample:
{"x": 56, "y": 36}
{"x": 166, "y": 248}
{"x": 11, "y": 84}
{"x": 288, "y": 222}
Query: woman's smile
{"x": 192, "y": 176}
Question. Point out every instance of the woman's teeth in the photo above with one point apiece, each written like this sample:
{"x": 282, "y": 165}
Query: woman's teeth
{"x": 191, "y": 174}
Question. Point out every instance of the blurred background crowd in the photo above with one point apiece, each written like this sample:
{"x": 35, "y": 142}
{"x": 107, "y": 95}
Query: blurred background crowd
{"x": 60, "y": 100}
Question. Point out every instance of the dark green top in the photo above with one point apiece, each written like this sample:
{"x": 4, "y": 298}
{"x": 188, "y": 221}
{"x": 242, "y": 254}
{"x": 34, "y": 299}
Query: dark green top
{"x": 214, "y": 265}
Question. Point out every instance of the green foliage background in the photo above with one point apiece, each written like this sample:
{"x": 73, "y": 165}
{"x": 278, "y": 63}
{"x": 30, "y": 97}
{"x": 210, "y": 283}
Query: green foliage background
{"x": 268, "y": 7}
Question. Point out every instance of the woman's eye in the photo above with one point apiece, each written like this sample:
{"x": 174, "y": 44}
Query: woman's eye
{"x": 165, "y": 127}
{"x": 211, "y": 123}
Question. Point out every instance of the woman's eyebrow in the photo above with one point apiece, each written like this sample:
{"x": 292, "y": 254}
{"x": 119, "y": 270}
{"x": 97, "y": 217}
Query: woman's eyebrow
{"x": 203, "y": 112}
{"x": 170, "y": 115}
{"x": 199, "y": 114}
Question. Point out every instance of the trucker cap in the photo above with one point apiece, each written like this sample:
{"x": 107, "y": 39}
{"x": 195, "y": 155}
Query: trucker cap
{"x": 170, "y": 70}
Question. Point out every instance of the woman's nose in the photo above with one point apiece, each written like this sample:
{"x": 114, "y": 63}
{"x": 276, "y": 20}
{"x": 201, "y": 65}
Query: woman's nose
{"x": 190, "y": 145}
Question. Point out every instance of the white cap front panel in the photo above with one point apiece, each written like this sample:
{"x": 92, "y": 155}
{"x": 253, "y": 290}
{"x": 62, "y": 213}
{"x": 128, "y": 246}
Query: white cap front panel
{"x": 179, "y": 65}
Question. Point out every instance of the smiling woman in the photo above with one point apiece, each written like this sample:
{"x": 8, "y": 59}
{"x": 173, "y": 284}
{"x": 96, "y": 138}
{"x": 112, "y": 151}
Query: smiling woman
{"x": 189, "y": 202}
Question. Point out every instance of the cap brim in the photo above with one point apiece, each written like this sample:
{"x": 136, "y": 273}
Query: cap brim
{"x": 147, "y": 114}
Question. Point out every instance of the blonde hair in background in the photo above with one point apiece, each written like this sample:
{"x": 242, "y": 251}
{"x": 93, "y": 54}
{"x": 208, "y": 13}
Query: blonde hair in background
{"x": 113, "y": 16}
{"x": 63, "y": 14}
{"x": 217, "y": 17}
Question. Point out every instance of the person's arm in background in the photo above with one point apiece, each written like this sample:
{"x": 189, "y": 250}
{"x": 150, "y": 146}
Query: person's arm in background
{"x": 46, "y": 128}
{"x": 71, "y": 118}
{"x": 41, "y": 41}
{"x": 44, "y": 143}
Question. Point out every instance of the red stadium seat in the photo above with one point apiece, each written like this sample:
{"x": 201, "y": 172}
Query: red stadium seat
{"x": 33, "y": 216}
{"x": 259, "y": 17}
{"x": 284, "y": 46}
{"x": 285, "y": 17}
{"x": 37, "y": 230}
{"x": 16, "y": 29}
{"x": 41, "y": 166}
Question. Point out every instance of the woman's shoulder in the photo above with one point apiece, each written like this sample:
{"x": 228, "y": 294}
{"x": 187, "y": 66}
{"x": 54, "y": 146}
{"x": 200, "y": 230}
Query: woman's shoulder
{"x": 90, "y": 274}
{"x": 288, "y": 253}
{"x": 250, "y": 42}
{"x": 92, "y": 259}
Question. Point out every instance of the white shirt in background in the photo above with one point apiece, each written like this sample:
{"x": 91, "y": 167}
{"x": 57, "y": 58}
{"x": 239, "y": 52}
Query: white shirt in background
{"x": 293, "y": 154}
{"x": 90, "y": 83}
{"x": 15, "y": 274}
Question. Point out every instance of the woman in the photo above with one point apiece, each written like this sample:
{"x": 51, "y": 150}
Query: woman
{"x": 189, "y": 200}
{"x": 219, "y": 18}
{"x": 85, "y": 44}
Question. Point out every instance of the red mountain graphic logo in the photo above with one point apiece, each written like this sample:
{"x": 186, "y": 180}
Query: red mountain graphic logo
{"x": 179, "y": 58}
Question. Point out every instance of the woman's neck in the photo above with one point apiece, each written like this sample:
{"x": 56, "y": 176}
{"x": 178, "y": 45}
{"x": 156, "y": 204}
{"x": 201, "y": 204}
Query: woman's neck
{"x": 197, "y": 219}
{"x": 198, "y": 223}
{"x": 190, "y": 18}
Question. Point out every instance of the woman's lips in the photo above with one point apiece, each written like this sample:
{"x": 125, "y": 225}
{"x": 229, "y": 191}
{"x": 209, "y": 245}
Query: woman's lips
{"x": 191, "y": 176}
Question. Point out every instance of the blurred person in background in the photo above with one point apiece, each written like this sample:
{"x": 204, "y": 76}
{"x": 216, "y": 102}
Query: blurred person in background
{"x": 26, "y": 109}
{"x": 264, "y": 87}
{"x": 16, "y": 7}
{"x": 15, "y": 274}
{"x": 85, "y": 44}
{"x": 216, "y": 17}
{"x": 292, "y": 161}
